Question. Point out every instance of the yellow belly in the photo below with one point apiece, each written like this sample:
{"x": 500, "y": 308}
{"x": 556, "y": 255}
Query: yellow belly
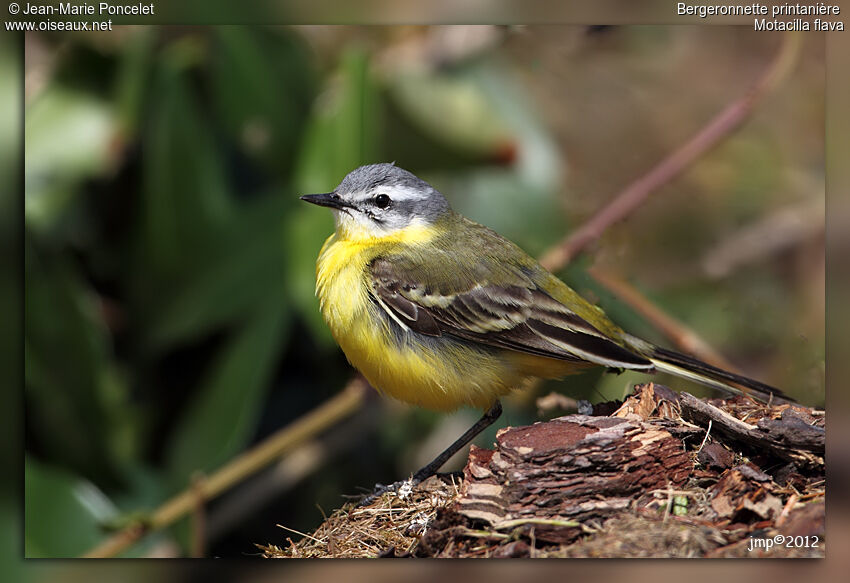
{"x": 439, "y": 373}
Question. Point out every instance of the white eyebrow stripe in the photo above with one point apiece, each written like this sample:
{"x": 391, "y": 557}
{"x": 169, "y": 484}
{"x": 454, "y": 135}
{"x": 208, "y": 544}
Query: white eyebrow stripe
{"x": 398, "y": 193}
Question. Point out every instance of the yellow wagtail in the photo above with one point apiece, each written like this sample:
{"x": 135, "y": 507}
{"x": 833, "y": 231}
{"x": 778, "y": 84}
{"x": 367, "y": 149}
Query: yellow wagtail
{"x": 439, "y": 311}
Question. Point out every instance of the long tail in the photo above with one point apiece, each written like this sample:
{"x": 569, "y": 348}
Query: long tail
{"x": 695, "y": 370}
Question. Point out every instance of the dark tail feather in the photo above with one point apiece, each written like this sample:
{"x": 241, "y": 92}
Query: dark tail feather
{"x": 711, "y": 376}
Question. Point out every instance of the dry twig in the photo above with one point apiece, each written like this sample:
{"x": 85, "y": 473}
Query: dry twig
{"x": 680, "y": 335}
{"x": 238, "y": 469}
{"x": 709, "y": 136}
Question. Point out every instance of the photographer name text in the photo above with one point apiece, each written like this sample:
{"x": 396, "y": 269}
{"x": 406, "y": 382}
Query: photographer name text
{"x": 99, "y": 9}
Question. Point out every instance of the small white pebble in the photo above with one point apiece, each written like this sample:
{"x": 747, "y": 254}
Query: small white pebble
{"x": 405, "y": 489}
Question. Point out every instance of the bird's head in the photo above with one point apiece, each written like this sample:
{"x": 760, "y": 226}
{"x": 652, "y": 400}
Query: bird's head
{"x": 381, "y": 200}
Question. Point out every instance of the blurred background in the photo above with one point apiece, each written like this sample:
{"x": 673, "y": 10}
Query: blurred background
{"x": 170, "y": 320}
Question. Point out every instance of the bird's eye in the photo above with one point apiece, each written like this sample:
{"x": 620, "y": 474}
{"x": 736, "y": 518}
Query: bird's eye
{"x": 382, "y": 201}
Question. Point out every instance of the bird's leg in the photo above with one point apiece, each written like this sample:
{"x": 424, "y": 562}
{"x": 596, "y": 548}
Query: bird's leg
{"x": 489, "y": 417}
{"x": 493, "y": 413}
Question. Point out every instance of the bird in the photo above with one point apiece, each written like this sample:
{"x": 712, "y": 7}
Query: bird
{"x": 441, "y": 312}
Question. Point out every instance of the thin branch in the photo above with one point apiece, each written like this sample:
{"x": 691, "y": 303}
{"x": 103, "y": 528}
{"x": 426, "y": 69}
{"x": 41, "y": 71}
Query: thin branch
{"x": 199, "y": 518}
{"x": 710, "y": 135}
{"x": 782, "y": 229}
{"x": 240, "y": 468}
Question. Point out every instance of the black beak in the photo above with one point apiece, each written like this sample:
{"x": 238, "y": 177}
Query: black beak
{"x": 328, "y": 199}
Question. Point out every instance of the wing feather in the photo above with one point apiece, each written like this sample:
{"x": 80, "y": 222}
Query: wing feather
{"x": 523, "y": 318}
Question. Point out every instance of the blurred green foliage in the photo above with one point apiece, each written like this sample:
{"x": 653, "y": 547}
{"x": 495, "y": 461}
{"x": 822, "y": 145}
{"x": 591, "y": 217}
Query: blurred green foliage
{"x": 170, "y": 314}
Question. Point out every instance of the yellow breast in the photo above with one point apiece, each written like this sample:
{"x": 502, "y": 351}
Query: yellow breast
{"x": 437, "y": 373}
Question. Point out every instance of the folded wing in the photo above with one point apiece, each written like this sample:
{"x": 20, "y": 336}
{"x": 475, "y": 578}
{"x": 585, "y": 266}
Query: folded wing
{"x": 518, "y": 317}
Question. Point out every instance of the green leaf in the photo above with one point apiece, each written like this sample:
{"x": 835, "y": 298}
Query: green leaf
{"x": 69, "y": 381}
{"x": 133, "y": 78}
{"x": 219, "y": 421}
{"x": 452, "y": 108}
{"x": 67, "y": 137}
{"x": 185, "y": 198}
{"x": 262, "y": 89}
{"x": 232, "y": 276}
{"x": 11, "y": 102}
{"x": 62, "y": 512}
{"x": 344, "y": 129}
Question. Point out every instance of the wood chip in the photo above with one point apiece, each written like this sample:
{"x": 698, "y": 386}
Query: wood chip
{"x": 571, "y": 468}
